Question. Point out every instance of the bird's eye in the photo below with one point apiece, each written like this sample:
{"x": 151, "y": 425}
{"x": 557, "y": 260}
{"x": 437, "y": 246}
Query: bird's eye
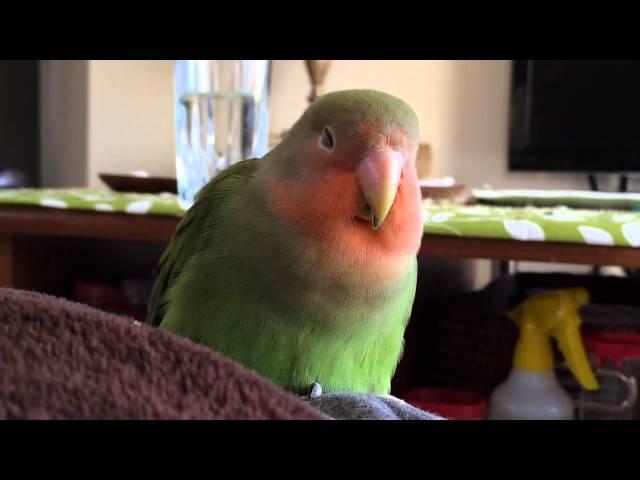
{"x": 326, "y": 139}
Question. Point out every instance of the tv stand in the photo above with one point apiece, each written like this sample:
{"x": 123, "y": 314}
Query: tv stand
{"x": 623, "y": 183}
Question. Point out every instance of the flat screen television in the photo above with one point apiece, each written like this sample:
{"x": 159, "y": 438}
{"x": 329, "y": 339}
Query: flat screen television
{"x": 575, "y": 116}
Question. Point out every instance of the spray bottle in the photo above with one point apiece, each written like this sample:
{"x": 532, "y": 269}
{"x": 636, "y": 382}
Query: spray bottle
{"x": 532, "y": 391}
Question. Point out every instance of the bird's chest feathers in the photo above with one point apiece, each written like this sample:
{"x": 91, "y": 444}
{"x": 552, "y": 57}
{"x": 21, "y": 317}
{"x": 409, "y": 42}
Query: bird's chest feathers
{"x": 351, "y": 273}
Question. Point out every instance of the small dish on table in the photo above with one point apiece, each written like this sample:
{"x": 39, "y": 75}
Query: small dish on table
{"x": 139, "y": 182}
{"x": 443, "y": 190}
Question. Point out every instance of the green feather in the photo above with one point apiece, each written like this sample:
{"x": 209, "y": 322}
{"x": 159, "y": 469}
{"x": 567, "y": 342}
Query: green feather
{"x": 186, "y": 239}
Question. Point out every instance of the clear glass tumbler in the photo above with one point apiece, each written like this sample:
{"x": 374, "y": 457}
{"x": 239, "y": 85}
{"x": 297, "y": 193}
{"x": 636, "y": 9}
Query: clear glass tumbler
{"x": 222, "y": 117}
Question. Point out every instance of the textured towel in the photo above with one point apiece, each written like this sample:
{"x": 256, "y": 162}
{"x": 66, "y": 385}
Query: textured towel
{"x": 63, "y": 360}
{"x": 360, "y": 406}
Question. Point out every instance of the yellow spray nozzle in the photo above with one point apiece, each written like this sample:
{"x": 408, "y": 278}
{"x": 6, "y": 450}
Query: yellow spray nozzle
{"x": 556, "y": 314}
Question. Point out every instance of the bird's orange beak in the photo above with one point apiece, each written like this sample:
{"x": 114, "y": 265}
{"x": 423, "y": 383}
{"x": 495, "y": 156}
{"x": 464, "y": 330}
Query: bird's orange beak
{"x": 379, "y": 176}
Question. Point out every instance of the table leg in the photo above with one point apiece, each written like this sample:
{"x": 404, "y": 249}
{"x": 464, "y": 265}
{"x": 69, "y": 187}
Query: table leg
{"x": 7, "y": 261}
{"x": 499, "y": 268}
{"x": 18, "y": 262}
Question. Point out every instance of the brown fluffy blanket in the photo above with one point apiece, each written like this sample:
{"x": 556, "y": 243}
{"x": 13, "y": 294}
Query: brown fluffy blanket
{"x": 63, "y": 360}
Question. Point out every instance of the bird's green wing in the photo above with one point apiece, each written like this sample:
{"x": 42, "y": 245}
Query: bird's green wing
{"x": 185, "y": 240}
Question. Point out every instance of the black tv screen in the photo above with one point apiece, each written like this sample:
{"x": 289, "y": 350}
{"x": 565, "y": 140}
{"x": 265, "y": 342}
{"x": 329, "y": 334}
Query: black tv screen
{"x": 575, "y": 115}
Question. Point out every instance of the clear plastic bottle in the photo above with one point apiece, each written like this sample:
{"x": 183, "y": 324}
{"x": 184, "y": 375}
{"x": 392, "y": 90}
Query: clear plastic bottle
{"x": 222, "y": 117}
{"x": 531, "y": 395}
{"x": 532, "y": 391}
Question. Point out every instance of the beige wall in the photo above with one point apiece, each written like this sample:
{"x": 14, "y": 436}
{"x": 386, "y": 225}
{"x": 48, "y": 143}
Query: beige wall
{"x": 462, "y": 106}
{"x": 130, "y": 117}
{"x": 63, "y": 123}
{"x": 105, "y": 116}
{"x": 420, "y": 83}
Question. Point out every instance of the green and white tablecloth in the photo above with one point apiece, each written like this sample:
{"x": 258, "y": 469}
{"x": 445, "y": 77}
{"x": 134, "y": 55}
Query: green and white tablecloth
{"x": 553, "y": 224}
{"x": 556, "y": 224}
{"x": 94, "y": 199}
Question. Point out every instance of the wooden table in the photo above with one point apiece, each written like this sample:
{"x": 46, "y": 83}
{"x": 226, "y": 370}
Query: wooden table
{"x": 29, "y": 236}
{"x": 26, "y": 233}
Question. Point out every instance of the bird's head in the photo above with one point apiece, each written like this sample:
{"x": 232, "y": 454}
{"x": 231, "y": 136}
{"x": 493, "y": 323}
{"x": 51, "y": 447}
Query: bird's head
{"x": 346, "y": 173}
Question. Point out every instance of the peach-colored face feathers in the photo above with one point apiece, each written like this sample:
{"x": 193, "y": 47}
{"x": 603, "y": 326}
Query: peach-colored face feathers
{"x": 326, "y": 203}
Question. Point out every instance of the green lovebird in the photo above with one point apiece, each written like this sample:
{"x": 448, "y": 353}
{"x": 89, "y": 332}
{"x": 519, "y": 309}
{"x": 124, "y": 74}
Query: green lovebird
{"x": 302, "y": 265}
